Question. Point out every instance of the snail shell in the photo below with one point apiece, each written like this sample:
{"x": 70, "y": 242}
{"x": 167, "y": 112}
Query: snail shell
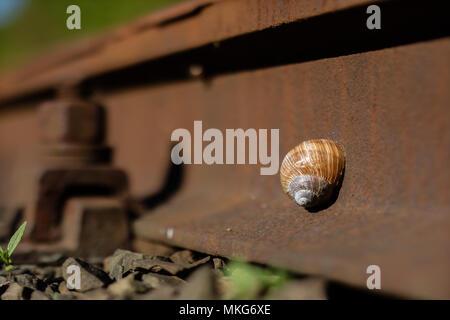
{"x": 311, "y": 170}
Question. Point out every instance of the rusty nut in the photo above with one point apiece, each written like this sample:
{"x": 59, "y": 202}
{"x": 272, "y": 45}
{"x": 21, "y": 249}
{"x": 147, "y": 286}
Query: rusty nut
{"x": 71, "y": 121}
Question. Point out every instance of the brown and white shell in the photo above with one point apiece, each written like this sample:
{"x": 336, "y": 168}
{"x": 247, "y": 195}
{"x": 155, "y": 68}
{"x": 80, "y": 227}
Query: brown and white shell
{"x": 311, "y": 171}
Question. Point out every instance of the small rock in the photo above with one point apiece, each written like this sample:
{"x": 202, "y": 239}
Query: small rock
{"x": 201, "y": 285}
{"x": 154, "y": 280}
{"x": 14, "y": 292}
{"x": 62, "y": 288}
{"x": 218, "y": 263}
{"x": 121, "y": 262}
{"x": 90, "y": 277}
{"x": 224, "y": 286}
{"x": 49, "y": 291}
{"x": 96, "y": 294}
{"x": 126, "y": 287}
{"x": 107, "y": 264}
{"x": 39, "y": 295}
{"x": 53, "y": 286}
{"x": 58, "y": 273}
{"x": 64, "y": 297}
{"x": 182, "y": 257}
{"x": 45, "y": 272}
{"x": 27, "y": 280}
{"x": 156, "y": 264}
{"x": 3, "y": 280}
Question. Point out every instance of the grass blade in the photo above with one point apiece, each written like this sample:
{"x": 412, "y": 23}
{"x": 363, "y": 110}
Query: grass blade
{"x": 15, "y": 239}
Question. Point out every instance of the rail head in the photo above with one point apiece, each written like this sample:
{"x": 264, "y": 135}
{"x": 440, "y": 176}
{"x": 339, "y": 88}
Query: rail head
{"x": 182, "y": 27}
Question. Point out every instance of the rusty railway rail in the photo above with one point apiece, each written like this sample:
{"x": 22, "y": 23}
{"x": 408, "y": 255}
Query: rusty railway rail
{"x": 309, "y": 69}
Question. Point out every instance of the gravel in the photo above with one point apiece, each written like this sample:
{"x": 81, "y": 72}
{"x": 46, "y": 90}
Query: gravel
{"x": 124, "y": 275}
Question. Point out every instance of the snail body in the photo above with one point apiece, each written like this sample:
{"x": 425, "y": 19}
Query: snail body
{"x": 310, "y": 171}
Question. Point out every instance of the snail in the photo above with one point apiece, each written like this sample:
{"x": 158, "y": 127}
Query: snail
{"x": 310, "y": 172}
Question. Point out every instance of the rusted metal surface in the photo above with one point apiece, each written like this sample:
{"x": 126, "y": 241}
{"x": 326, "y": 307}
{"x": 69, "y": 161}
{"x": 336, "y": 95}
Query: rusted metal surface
{"x": 388, "y": 108}
{"x": 55, "y": 186}
{"x": 186, "y": 26}
{"x": 71, "y": 121}
{"x": 94, "y": 226}
{"x": 72, "y": 131}
{"x": 89, "y": 227}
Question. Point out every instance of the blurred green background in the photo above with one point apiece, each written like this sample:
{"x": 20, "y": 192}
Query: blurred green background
{"x": 28, "y": 27}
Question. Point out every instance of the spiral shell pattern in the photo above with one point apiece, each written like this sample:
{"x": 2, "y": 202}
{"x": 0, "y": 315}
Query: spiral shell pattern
{"x": 314, "y": 165}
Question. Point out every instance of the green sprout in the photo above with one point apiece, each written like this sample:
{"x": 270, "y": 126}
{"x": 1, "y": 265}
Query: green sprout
{"x": 5, "y": 255}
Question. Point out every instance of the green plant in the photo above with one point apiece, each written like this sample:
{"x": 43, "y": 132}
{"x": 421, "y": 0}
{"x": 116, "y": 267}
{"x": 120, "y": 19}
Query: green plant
{"x": 5, "y": 255}
{"x": 249, "y": 281}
